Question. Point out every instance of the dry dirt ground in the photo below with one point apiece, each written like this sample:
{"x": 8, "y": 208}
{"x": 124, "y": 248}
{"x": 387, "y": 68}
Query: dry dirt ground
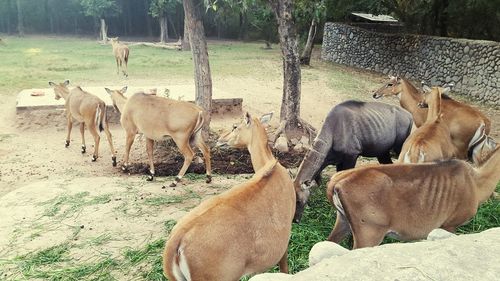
{"x": 53, "y": 196}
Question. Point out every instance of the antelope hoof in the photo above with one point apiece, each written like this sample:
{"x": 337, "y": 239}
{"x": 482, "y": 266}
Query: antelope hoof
{"x": 84, "y": 149}
{"x": 173, "y": 184}
{"x": 124, "y": 168}
{"x": 67, "y": 143}
{"x": 114, "y": 161}
{"x": 94, "y": 158}
{"x": 150, "y": 178}
{"x": 209, "y": 179}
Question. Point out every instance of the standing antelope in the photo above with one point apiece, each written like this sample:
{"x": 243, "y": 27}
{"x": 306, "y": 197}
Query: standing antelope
{"x": 352, "y": 129}
{"x": 88, "y": 110}
{"x": 431, "y": 141}
{"x": 157, "y": 117}
{"x": 463, "y": 120}
{"x": 243, "y": 230}
{"x": 408, "y": 201}
{"x": 121, "y": 53}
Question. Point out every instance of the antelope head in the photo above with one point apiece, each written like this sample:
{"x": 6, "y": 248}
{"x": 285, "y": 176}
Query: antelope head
{"x": 60, "y": 90}
{"x": 392, "y": 88}
{"x": 114, "y": 40}
{"x": 302, "y": 192}
{"x": 117, "y": 95}
{"x": 432, "y": 94}
{"x": 241, "y": 134}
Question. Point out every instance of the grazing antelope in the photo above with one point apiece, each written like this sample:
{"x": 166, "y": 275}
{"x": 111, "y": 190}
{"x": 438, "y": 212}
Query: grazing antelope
{"x": 87, "y": 109}
{"x": 121, "y": 53}
{"x": 157, "y": 117}
{"x": 431, "y": 141}
{"x": 408, "y": 201}
{"x": 463, "y": 120}
{"x": 352, "y": 129}
{"x": 243, "y": 230}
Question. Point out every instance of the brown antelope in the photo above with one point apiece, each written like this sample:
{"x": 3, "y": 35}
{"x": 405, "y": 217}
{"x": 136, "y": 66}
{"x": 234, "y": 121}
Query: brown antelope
{"x": 87, "y": 109}
{"x": 157, "y": 117}
{"x": 408, "y": 201}
{"x": 431, "y": 141}
{"x": 243, "y": 230}
{"x": 463, "y": 120}
{"x": 121, "y": 53}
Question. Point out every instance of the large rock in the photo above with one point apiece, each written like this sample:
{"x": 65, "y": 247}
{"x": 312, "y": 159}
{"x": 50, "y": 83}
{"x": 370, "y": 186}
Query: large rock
{"x": 281, "y": 144}
{"x": 323, "y": 250}
{"x": 439, "y": 234}
{"x": 271, "y": 277}
{"x": 462, "y": 257}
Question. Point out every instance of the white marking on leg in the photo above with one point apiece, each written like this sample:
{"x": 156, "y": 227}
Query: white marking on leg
{"x": 421, "y": 157}
{"x": 337, "y": 203}
{"x": 406, "y": 159}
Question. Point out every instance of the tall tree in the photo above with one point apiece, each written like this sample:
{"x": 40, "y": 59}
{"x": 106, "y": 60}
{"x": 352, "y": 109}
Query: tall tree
{"x": 291, "y": 123}
{"x": 20, "y": 18}
{"x": 99, "y": 9}
{"x": 314, "y": 11}
{"x": 162, "y": 9}
{"x": 202, "y": 76}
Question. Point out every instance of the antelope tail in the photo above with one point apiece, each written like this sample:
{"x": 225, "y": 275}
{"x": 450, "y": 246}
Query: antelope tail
{"x": 197, "y": 128}
{"x": 174, "y": 260}
{"x": 100, "y": 117}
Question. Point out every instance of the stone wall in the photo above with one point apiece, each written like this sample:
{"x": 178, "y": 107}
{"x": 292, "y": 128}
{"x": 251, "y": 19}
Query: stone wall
{"x": 474, "y": 66}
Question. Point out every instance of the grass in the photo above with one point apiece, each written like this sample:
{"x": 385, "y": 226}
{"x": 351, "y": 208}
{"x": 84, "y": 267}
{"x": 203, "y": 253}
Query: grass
{"x": 65, "y": 205}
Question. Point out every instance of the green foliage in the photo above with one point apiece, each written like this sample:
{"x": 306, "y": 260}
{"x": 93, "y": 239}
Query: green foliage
{"x": 99, "y": 8}
{"x": 159, "y": 7}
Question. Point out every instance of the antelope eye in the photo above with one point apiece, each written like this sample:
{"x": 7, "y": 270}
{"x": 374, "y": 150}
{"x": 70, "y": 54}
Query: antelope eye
{"x": 234, "y": 127}
{"x": 390, "y": 85}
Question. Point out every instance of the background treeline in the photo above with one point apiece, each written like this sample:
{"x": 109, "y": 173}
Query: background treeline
{"x": 242, "y": 19}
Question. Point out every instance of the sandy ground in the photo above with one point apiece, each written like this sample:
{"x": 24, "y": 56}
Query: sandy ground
{"x": 51, "y": 195}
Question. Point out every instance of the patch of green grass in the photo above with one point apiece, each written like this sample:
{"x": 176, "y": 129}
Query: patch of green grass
{"x": 65, "y": 205}
{"x": 487, "y": 216}
{"x": 171, "y": 199}
{"x": 169, "y": 225}
{"x": 5, "y": 137}
{"x": 152, "y": 249}
{"x": 30, "y": 262}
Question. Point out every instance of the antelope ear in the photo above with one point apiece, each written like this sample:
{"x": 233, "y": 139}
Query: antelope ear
{"x": 52, "y": 84}
{"x": 423, "y": 83}
{"x": 427, "y": 89}
{"x": 108, "y": 90}
{"x": 124, "y": 89}
{"x": 66, "y": 83}
{"x": 247, "y": 118}
{"x": 264, "y": 119}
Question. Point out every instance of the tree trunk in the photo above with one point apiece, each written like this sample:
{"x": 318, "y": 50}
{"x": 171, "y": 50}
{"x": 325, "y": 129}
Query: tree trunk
{"x": 290, "y": 102}
{"x": 20, "y": 25}
{"x": 163, "y": 28}
{"x": 149, "y": 28}
{"x": 103, "y": 35}
{"x": 185, "y": 46}
{"x": 305, "y": 58}
{"x": 242, "y": 23}
{"x": 203, "y": 79}
{"x": 174, "y": 29}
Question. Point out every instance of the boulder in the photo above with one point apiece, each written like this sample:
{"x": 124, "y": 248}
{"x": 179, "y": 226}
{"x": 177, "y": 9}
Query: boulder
{"x": 271, "y": 277}
{"x": 281, "y": 144}
{"x": 439, "y": 234}
{"x": 323, "y": 250}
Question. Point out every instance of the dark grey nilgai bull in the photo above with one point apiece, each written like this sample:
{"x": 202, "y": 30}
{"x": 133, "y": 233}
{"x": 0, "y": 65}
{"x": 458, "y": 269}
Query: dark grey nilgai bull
{"x": 352, "y": 129}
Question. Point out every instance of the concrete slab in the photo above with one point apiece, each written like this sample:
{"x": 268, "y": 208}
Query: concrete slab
{"x": 41, "y": 102}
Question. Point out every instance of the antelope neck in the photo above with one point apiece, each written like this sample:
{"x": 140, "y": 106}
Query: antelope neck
{"x": 259, "y": 150}
{"x": 120, "y": 102}
{"x": 408, "y": 99}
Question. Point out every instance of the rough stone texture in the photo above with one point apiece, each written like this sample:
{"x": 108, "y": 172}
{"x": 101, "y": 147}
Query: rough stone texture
{"x": 323, "y": 250}
{"x": 439, "y": 234}
{"x": 473, "y": 65}
{"x": 463, "y": 257}
{"x": 271, "y": 277}
{"x": 281, "y": 144}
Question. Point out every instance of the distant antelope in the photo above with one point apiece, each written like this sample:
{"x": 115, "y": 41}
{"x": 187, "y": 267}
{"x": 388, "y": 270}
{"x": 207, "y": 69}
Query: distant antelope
{"x": 121, "y": 53}
{"x": 243, "y": 230}
{"x": 157, "y": 117}
{"x": 87, "y": 109}
{"x": 408, "y": 201}
{"x": 462, "y": 119}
